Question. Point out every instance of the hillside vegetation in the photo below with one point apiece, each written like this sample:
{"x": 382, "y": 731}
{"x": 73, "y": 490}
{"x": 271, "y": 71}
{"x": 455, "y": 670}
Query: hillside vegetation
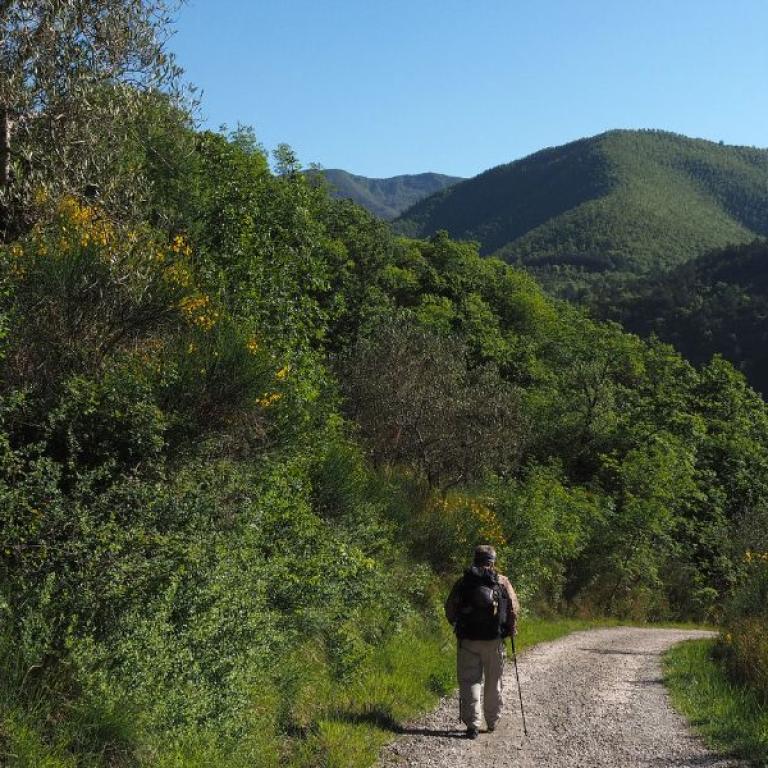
{"x": 717, "y": 303}
{"x": 247, "y": 436}
{"x": 385, "y": 198}
{"x": 623, "y": 201}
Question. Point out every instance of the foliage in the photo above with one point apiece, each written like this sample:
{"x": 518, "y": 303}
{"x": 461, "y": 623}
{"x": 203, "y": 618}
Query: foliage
{"x": 73, "y": 75}
{"x": 730, "y": 717}
{"x": 547, "y": 525}
{"x": 247, "y": 434}
{"x": 418, "y": 404}
{"x": 716, "y": 303}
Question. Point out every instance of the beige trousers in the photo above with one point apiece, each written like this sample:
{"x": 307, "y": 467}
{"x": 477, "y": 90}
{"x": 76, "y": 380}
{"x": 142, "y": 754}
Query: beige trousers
{"x": 480, "y": 661}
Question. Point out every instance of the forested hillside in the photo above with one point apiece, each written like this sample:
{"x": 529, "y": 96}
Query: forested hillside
{"x": 623, "y": 201}
{"x": 385, "y": 198}
{"x": 247, "y": 435}
{"x": 717, "y": 303}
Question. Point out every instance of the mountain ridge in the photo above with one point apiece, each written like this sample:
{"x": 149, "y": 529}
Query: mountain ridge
{"x": 385, "y": 197}
{"x": 621, "y": 201}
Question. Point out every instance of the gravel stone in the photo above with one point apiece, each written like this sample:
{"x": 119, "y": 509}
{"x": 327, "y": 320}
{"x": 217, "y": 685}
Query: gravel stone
{"x": 591, "y": 699}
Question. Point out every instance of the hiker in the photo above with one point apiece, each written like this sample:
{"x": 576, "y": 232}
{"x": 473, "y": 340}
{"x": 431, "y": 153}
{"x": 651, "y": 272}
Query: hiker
{"x": 483, "y": 609}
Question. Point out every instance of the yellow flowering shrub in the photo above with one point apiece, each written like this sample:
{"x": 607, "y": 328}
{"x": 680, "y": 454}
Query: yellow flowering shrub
{"x": 139, "y": 308}
{"x": 180, "y": 246}
{"x": 268, "y": 399}
{"x": 84, "y": 225}
{"x": 453, "y": 523}
{"x": 177, "y": 273}
{"x": 199, "y": 311}
{"x": 131, "y": 286}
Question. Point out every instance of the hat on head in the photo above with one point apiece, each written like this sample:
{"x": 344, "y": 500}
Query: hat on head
{"x": 485, "y": 555}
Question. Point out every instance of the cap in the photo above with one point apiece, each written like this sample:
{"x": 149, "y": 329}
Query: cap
{"x": 485, "y": 554}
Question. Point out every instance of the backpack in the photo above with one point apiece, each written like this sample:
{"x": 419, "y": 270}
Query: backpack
{"x": 483, "y": 606}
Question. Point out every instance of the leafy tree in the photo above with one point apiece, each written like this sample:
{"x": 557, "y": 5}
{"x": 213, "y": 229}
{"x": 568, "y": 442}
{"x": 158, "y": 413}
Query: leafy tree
{"x": 420, "y": 405}
{"x": 71, "y": 79}
{"x": 650, "y": 485}
{"x": 286, "y": 161}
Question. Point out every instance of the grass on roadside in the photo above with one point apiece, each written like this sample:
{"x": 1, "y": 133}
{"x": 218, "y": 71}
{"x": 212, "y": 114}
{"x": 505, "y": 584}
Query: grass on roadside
{"x": 728, "y": 716}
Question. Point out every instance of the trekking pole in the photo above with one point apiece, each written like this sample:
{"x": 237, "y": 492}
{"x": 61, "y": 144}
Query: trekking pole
{"x": 519, "y": 689}
{"x": 458, "y": 649}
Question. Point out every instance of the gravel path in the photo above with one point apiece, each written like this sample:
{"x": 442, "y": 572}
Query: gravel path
{"x": 591, "y": 699}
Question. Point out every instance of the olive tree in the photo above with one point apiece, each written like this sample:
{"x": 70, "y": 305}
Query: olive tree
{"x": 73, "y": 76}
{"x": 419, "y": 404}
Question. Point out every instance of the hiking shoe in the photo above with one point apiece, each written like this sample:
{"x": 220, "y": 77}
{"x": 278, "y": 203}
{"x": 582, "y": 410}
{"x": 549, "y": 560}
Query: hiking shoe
{"x": 472, "y": 733}
{"x": 491, "y": 728}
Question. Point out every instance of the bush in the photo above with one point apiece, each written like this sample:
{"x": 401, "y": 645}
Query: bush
{"x": 744, "y": 645}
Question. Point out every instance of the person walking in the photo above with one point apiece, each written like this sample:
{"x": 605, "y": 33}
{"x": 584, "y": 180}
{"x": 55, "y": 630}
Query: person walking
{"x": 483, "y": 609}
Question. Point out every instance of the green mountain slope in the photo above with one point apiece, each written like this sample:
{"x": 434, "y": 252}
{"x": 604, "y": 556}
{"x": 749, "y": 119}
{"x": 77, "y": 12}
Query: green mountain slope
{"x": 386, "y": 198}
{"x": 717, "y": 303}
{"x": 627, "y": 201}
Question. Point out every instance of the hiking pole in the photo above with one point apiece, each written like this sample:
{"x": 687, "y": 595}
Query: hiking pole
{"x": 458, "y": 650}
{"x": 519, "y": 689}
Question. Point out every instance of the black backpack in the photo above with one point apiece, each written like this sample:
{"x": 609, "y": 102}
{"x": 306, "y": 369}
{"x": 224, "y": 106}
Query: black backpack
{"x": 483, "y": 606}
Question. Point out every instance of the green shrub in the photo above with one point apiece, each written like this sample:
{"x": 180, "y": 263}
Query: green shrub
{"x": 744, "y": 645}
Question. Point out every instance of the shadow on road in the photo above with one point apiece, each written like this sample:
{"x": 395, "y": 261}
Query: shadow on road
{"x": 449, "y": 734}
{"x": 382, "y": 719}
{"x": 611, "y": 652}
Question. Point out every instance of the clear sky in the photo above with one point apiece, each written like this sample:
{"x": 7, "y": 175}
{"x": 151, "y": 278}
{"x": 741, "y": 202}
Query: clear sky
{"x": 383, "y": 87}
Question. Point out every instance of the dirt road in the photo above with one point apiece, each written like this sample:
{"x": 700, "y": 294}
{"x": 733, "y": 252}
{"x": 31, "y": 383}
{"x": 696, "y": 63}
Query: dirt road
{"x": 591, "y": 699}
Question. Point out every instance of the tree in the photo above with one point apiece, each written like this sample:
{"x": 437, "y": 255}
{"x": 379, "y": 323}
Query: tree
{"x": 72, "y": 75}
{"x": 420, "y": 405}
{"x": 286, "y": 161}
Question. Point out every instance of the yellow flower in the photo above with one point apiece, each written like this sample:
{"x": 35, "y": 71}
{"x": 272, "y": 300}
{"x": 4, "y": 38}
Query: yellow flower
{"x": 283, "y": 373}
{"x": 180, "y": 246}
{"x": 189, "y": 305}
{"x": 41, "y": 196}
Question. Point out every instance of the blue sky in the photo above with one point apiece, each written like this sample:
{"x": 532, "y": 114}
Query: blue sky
{"x": 382, "y": 87}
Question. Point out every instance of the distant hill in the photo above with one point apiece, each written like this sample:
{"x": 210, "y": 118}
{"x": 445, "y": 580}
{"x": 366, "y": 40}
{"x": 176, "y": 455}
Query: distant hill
{"x": 623, "y": 201}
{"x": 386, "y": 198}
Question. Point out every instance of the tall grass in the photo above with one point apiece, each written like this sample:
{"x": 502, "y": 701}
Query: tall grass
{"x": 729, "y": 716}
